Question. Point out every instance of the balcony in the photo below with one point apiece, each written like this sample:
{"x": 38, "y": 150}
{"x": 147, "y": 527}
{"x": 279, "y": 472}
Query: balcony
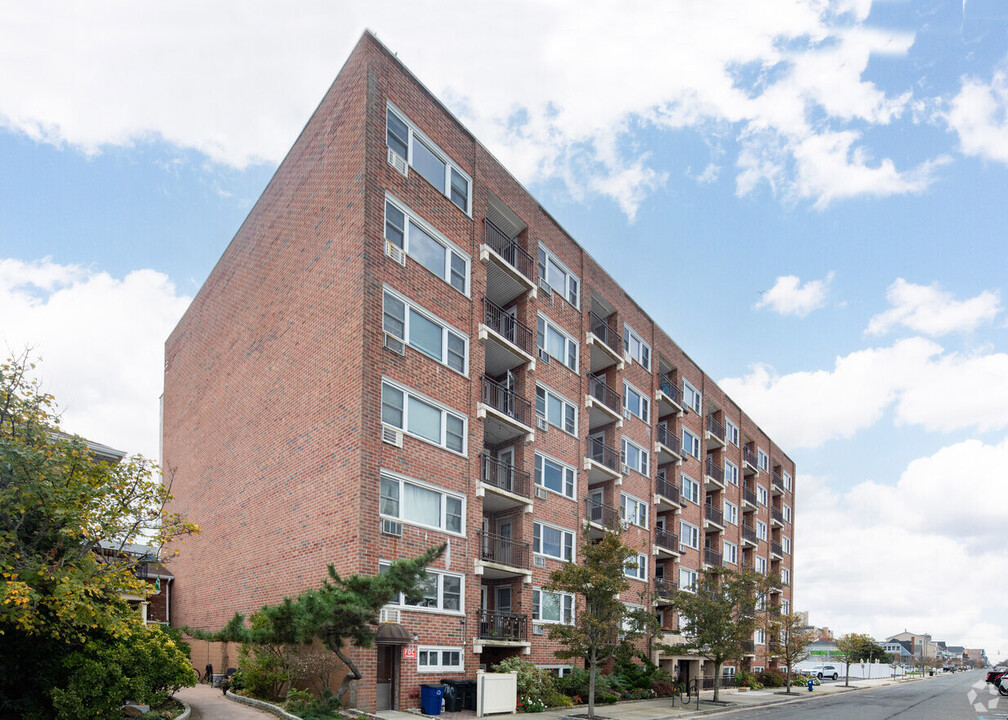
{"x": 750, "y": 463}
{"x": 713, "y": 518}
{"x": 777, "y": 517}
{"x": 749, "y": 648}
{"x": 777, "y": 484}
{"x": 713, "y": 474}
{"x": 667, "y": 396}
{"x": 510, "y": 269}
{"x": 604, "y": 343}
{"x": 664, "y": 591}
{"x": 666, "y": 543}
{"x": 509, "y": 342}
{"x": 500, "y": 629}
{"x": 602, "y": 462}
{"x": 712, "y": 558}
{"x": 776, "y": 550}
{"x": 506, "y": 414}
{"x": 601, "y": 519}
{"x": 502, "y": 485}
{"x": 667, "y": 497}
{"x": 715, "y": 434}
{"x": 604, "y": 404}
{"x": 749, "y": 536}
{"x": 501, "y": 557}
{"x": 667, "y": 445}
{"x": 748, "y": 499}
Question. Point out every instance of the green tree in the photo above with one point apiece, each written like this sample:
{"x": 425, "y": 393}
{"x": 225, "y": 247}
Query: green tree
{"x": 849, "y": 647}
{"x": 599, "y": 578}
{"x": 342, "y": 611}
{"x": 65, "y": 516}
{"x": 788, "y": 640}
{"x": 719, "y": 615}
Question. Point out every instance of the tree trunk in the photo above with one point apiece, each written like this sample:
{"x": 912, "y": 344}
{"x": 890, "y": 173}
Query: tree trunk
{"x": 591, "y": 684}
{"x": 846, "y": 680}
{"x": 787, "y": 680}
{"x": 717, "y": 679}
{"x": 352, "y": 672}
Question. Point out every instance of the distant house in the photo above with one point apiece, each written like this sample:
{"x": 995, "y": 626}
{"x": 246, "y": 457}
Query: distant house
{"x": 898, "y": 650}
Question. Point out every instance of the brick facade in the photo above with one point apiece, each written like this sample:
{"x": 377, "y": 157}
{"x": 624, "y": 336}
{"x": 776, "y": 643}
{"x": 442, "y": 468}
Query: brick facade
{"x": 273, "y": 426}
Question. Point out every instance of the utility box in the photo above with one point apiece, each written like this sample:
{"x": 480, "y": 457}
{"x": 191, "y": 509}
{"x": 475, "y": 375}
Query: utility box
{"x": 496, "y": 693}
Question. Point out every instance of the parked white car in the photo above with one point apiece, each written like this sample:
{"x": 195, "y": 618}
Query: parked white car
{"x": 825, "y": 671}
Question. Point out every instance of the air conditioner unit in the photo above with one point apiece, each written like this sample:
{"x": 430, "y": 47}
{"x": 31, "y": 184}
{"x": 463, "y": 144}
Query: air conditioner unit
{"x": 627, "y": 414}
{"x": 538, "y": 630}
{"x": 395, "y": 252}
{"x": 391, "y": 527}
{"x": 541, "y": 423}
{"x": 398, "y": 162}
{"x": 387, "y": 614}
{"x": 541, "y": 493}
{"x": 544, "y": 286}
{"x": 542, "y": 355}
{"x": 391, "y": 436}
{"x": 394, "y": 344}
{"x": 624, "y": 525}
{"x": 625, "y": 469}
{"x": 627, "y": 357}
{"x": 539, "y": 561}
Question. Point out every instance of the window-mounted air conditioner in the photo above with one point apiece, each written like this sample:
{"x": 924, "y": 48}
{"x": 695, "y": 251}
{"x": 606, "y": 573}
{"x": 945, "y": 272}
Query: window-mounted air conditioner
{"x": 398, "y": 162}
{"x": 391, "y": 436}
{"x": 394, "y": 344}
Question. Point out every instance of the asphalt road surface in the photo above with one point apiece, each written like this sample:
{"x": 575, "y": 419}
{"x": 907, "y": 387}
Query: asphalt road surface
{"x": 944, "y": 697}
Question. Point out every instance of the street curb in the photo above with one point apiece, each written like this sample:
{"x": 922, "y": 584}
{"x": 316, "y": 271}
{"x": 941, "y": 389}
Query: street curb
{"x": 186, "y": 710}
{"x": 261, "y": 705}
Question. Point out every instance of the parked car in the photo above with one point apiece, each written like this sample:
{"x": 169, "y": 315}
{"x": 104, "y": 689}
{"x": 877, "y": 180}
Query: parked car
{"x": 821, "y": 671}
{"x": 1002, "y": 683}
{"x": 994, "y": 675}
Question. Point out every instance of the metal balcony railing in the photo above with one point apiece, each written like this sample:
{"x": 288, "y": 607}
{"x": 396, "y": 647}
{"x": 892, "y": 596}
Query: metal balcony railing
{"x": 712, "y": 557}
{"x": 598, "y": 389}
{"x": 750, "y": 457}
{"x": 777, "y": 515}
{"x": 504, "y": 476}
{"x": 715, "y": 515}
{"x": 776, "y": 549}
{"x": 668, "y": 387}
{"x": 600, "y": 329}
{"x": 778, "y": 481}
{"x": 748, "y": 646}
{"x": 506, "y": 401}
{"x": 749, "y": 533}
{"x": 601, "y": 514}
{"x": 508, "y": 327}
{"x": 667, "y": 438}
{"x": 665, "y": 588}
{"x": 749, "y": 495}
{"x": 715, "y": 428}
{"x": 715, "y": 471}
{"x": 503, "y": 550}
{"x": 603, "y": 454}
{"x": 508, "y": 249}
{"x": 667, "y": 540}
{"x": 502, "y": 626}
{"x": 668, "y": 489}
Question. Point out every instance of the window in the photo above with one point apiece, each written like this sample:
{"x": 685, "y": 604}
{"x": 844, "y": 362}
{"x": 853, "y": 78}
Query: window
{"x": 421, "y": 418}
{"x": 690, "y": 443}
{"x": 427, "y": 159}
{"x": 413, "y": 502}
{"x": 557, "y": 277}
{"x": 427, "y": 246}
{"x": 553, "y": 542}
{"x": 439, "y": 591}
{"x": 762, "y": 460}
{"x": 787, "y": 513}
{"x": 424, "y": 332}
{"x": 690, "y": 489}
{"x": 555, "y": 476}
{"x": 636, "y": 402}
{"x": 731, "y": 472}
{"x": 639, "y": 572}
{"x": 731, "y": 432}
{"x": 552, "y": 607}
{"x": 761, "y": 564}
{"x": 761, "y": 530}
{"x": 557, "y": 410}
{"x": 786, "y": 576}
{"x": 731, "y": 553}
{"x": 560, "y": 346}
{"x": 728, "y": 672}
{"x": 692, "y": 397}
{"x": 634, "y": 511}
{"x": 687, "y": 581}
{"x": 761, "y": 495}
{"x": 635, "y": 457}
{"x": 786, "y": 543}
{"x": 759, "y": 637}
{"x": 689, "y": 535}
{"x": 787, "y": 481}
{"x": 785, "y": 607}
{"x": 439, "y": 659}
{"x": 638, "y": 349}
{"x": 731, "y": 512}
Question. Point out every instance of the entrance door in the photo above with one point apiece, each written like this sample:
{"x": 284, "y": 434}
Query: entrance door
{"x": 503, "y": 548}
{"x": 388, "y": 677}
{"x": 595, "y": 506}
{"x": 503, "y": 599}
{"x": 505, "y": 469}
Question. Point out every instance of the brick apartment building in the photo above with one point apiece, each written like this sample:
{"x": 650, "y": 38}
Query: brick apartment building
{"x": 401, "y": 347}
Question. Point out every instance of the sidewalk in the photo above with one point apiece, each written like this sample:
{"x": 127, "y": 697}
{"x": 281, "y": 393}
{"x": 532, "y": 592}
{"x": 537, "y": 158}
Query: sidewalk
{"x": 209, "y": 703}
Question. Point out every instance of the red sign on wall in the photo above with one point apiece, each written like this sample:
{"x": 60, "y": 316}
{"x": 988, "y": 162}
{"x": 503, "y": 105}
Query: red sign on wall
{"x": 408, "y": 653}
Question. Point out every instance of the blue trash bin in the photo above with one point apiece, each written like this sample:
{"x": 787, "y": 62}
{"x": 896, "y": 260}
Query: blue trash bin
{"x": 430, "y": 699}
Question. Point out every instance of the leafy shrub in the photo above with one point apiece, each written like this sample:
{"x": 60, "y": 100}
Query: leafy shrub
{"x": 263, "y": 673}
{"x": 771, "y": 678}
{"x": 575, "y": 683}
{"x": 663, "y": 688}
{"x": 535, "y": 685}
{"x": 609, "y": 697}
{"x": 558, "y": 699}
{"x": 747, "y": 679}
{"x": 299, "y": 702}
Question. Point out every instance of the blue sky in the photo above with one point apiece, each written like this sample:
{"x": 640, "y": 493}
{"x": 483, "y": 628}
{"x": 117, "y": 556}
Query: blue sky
{"x": 809, "y": 196}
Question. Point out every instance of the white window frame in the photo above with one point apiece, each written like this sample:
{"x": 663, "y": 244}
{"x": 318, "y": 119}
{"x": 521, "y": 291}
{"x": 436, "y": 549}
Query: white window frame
{"x": 445, "y": 413}
{"x": 569, "y": 342}
{"x": 693, "y": 497}
{"x": 450, "y": 247}
{"x": 643, "y": 402}
{"x": 567, "y": 604}
{"x": 759, "y": 637}
{"x": 417, "y": 135}
{"x": 400, "y": 600}
{"x": 640, "y": 572}
{"x": 731, "y": 432}
{"x": 632, "y": 339}
{"x": 633, "y": 510}
{"x": 787, "y": 513}
{"x": 785, "y": 576}
{"x": 760, "y": 564}
{"x": 731, "y": 472}
{"x": 787, "y": 480}
{"x": 446, "y": 330}
{"x": 643, "y": 464}
{"x": 445, "y": 495}
{"x": 564, "y": 404}
{"x": 762, "y": 495}
{"x": 692, "y": 531}
{"x": 731, "y": 512}
{"x": 568, "y": 473}
{"x": 786, "y": 544}
{"x": 440, "y": 667}
{"x": 564, "y": 532}
{"x": 572, "y": 284}
{"x": 785, "y": 607}
{"x": 687, "y": 580}
{"x": 761, "y": 530}
{"x": 692, "y": 398}
{"x": 694, "y": 445}
{"x": 762, "y": 460}
{"x": 730, "y": 552}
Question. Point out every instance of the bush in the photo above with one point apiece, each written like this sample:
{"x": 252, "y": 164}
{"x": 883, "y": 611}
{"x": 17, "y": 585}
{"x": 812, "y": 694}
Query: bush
{"x": 771, "y": 678}
{"x": 663, "y": 688}
{"x": 747, "y": 679}
{"x": 558, "y": 699}
{"x": 575, "y": 683}
{"x": 299, "y": 702}
{"x": 535, "y": 685}
{"x": 263, "y": 673}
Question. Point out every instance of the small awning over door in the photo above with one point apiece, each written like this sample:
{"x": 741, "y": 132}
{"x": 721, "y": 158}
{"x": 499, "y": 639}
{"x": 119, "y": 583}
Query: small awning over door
{"x": 391, "y": 633}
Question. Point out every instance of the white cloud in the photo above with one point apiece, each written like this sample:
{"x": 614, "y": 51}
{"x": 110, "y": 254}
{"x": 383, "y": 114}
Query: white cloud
{"x": 900, "y": 552}
{"x": 979, "y": 116}
{"x": 789, "y": 296}
{"x": 100, "y": 341}
{"x": 929, "y": 310}
{"x": 237, "y": 81}
{"x": 916, "y": 377}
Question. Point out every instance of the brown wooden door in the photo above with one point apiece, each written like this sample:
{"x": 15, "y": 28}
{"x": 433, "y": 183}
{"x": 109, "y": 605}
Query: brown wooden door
{"x": 387, "y": 656}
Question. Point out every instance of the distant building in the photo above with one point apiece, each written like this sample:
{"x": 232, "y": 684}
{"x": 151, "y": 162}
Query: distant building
{"x": 976, "y": 656}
